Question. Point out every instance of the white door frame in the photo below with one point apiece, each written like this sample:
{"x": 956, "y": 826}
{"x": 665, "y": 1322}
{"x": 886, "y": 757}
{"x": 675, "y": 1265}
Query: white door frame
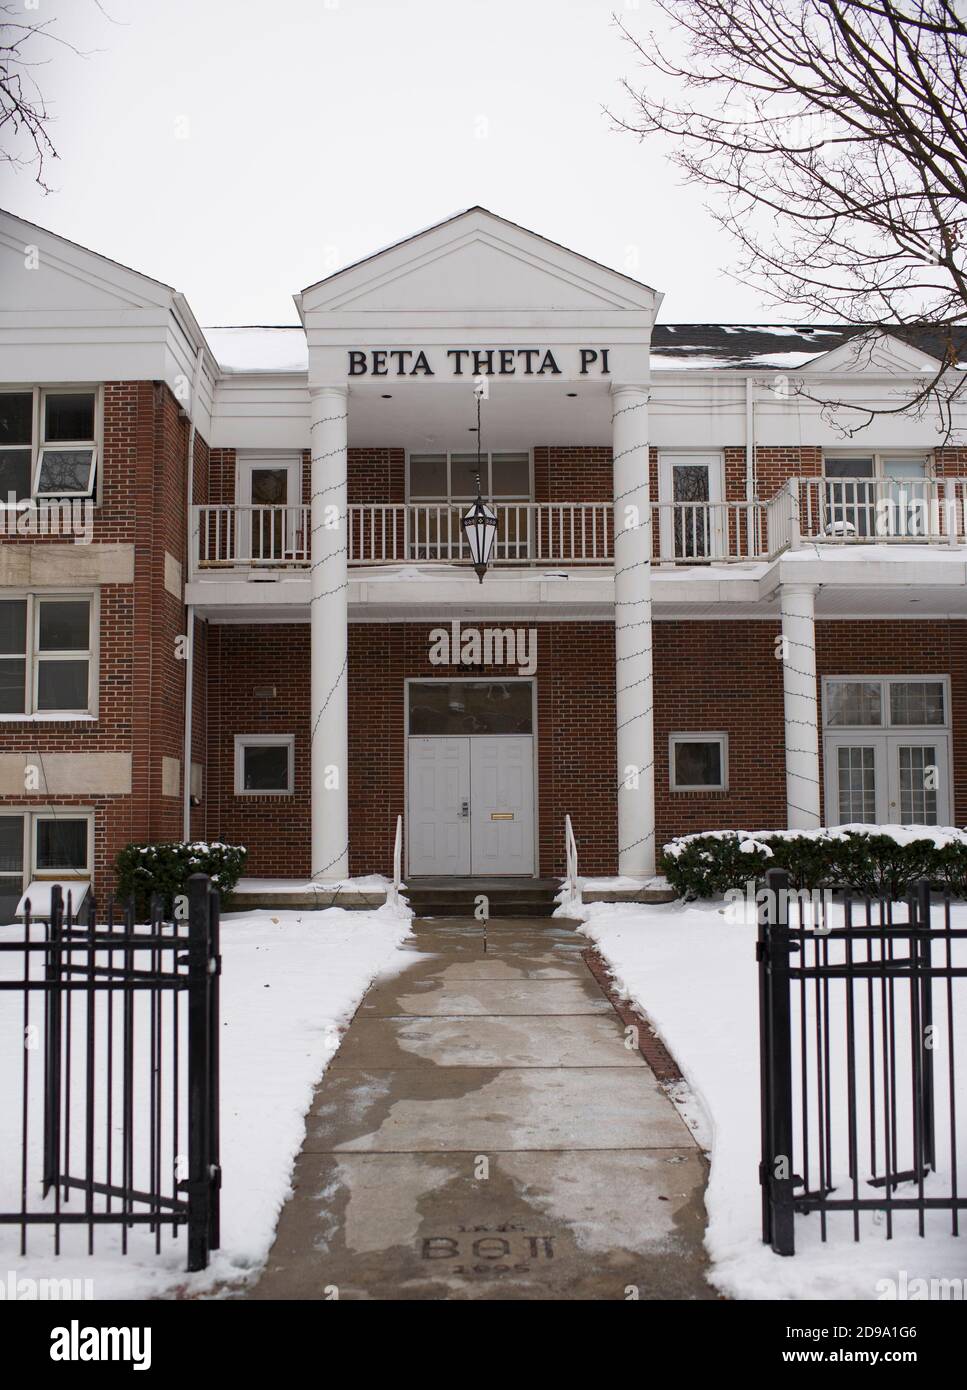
{"x": 245, "y": 463}
{"x": 715, "y": 462}
{"x": 885, "y": 743}
{"x": 473, "y": 680}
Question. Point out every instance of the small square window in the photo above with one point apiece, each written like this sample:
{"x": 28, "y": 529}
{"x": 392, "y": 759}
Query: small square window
{"x": 264, "y": 764}
{"x": 698, "y": 762}
{"x": 61, "y": 844}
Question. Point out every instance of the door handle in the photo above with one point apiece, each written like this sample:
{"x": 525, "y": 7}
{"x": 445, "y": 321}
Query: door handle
{"x": 465, "y": 809}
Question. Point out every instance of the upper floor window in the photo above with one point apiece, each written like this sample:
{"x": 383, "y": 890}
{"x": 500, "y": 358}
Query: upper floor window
{"x": 880, "y": 494}
{"x": 48, "y": 443}
{"x": 46, "y": 655}
{"x": 453, "y": 477}
{"x": 910, "y": 465}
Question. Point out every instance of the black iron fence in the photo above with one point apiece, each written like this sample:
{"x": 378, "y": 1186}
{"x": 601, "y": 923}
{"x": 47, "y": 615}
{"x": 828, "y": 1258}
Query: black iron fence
{"x": 118, "y": 1102}
{"x": 859, "y": 1006}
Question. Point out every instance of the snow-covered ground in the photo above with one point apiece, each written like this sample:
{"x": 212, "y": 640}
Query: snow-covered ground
{"x": 290, "y": 983}
{"x": 691, "y": 969}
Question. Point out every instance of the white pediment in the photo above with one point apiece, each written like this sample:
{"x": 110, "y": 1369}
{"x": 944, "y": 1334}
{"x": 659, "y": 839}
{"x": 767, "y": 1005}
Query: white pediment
{"x": 42, "y": 272}
{"x": 875, "y": 353}
{"x": 478, "y": 262}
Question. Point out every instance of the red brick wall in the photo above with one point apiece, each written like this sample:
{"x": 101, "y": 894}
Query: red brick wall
{"x": 141, "y": 679}
{"x": 713, "y": 677}
{"x": 710, "y": 676}
{"x": 240, "y": 661}
{"x": 573, "y": 474}
{"x": 906, "y": 647}
{"x": 375, "y": 475}
{"x": 575, "y": 685}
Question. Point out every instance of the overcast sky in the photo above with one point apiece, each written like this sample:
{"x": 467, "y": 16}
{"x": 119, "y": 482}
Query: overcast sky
{"x": 240, "y": 151}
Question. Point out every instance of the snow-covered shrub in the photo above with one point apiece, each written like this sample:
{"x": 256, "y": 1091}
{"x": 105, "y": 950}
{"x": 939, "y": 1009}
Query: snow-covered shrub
{"x": 876, "y": 860}
{"x": 165, "y": 868}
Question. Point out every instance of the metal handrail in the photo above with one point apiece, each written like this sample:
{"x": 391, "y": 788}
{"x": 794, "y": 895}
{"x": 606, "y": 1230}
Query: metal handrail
{"x": 571, "y": 862}
{"x": 397, "y": 862}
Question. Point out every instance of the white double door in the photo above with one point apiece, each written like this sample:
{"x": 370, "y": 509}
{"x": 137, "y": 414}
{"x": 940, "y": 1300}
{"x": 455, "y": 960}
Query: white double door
{"x": 887, "y": 779}
{"x": 471, "y": 804}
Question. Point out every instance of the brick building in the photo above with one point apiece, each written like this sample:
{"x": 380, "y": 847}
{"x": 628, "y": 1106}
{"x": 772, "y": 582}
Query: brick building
{"x": 713, "y": 602}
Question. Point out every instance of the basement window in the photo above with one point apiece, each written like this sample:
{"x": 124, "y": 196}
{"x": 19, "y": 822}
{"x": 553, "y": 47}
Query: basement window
{"x": 698, "y": 762}
{"x": 264, "y": 764}
{"x": 38, "y": 849}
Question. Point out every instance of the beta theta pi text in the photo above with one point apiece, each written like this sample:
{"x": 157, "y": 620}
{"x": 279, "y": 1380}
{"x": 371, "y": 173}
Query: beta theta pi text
{"x": 475, "y": 362}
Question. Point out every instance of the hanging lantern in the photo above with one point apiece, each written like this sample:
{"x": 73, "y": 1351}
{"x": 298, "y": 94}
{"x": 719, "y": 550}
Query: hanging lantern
{"x": 480, "y": 527}
{"x": 480, "y": 523}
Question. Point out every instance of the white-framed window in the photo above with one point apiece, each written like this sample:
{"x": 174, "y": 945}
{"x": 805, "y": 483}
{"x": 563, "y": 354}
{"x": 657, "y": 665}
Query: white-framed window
{"x": 42, "y": 847}
{"x": 698, "y": 762}
{"x": 441, "y": 486}
{"x": 876, "y": 494}
{"x": 49, "y": 442}
{"x": 874, "y": 702}
{"x": 47, "y": 650}
{"x": 452, "y": 477}
{"x": 886, "y": 750}
{"x": 264, "y": 764}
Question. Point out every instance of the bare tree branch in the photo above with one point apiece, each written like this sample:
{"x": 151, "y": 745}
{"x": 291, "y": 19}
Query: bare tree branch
{"x": 25, "y": 118}
{"x": 832, "y": 135}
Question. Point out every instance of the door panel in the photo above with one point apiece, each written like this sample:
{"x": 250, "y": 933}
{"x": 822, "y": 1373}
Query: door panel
{"x": 692, "y": 529}
{"x": 271, "y": 488}
{"x": 438, "y": 831}
{"x": 502, "y": 804}
{"x": 855, "y": 781}
{"x": 918, "y": 782}
{"x": 887, "y": 779}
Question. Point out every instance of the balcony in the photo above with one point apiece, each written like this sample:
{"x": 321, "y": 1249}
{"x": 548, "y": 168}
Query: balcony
{"x": 820, "y": 511}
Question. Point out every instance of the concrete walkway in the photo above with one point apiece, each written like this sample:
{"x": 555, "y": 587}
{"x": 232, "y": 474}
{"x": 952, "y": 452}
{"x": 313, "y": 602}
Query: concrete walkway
{"x": 484, "y": 1133}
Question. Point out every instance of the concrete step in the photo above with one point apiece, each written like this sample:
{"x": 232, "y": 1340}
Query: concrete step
{"x": 505, "y": 898}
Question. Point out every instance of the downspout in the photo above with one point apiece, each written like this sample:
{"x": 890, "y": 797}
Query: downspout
{"x": 750, "y": 481}
{"x": 753, "y": 528}
{"x": 190, "y": 609}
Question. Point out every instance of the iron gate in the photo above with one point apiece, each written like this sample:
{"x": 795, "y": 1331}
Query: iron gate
{"x": 858, "y": 1014}
{"x": 119, "y": 1119}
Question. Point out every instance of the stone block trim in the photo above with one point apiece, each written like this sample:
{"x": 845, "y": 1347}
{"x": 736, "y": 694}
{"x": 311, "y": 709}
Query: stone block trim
{"x": 139, "y": 539}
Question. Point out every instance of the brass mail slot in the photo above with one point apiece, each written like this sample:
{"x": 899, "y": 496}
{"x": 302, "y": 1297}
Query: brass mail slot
{"x": 501, "y": 815}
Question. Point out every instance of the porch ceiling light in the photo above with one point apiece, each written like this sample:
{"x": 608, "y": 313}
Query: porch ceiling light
{"x": 480, "y": 522}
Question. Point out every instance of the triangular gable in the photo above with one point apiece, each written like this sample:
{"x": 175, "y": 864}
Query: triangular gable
{"x": 41, "y": 271}
{"x": 477, "y": 261}
{"x": 875, "y": 352}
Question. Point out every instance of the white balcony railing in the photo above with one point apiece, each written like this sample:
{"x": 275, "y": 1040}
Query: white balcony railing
{"x": 821, "y": 510}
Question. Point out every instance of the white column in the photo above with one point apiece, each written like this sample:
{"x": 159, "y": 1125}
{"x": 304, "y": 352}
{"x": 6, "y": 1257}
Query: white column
{"x": 632, "y": 627}
{"x": 328, "y": 699}
{"x": 800, "y": 704}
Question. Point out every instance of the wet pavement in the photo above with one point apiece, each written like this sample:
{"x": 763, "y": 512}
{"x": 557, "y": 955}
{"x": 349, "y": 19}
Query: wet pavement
{"x": 485, "y": 1131}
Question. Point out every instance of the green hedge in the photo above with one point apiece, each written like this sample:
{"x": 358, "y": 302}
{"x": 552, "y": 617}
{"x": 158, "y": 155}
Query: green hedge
{"x": 144, "y": 869}
{"x": 880, "y": 861}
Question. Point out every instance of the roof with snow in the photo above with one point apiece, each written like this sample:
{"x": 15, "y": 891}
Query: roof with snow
{"x": 675, "y": 346}
{"x": 678, "y": 346}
